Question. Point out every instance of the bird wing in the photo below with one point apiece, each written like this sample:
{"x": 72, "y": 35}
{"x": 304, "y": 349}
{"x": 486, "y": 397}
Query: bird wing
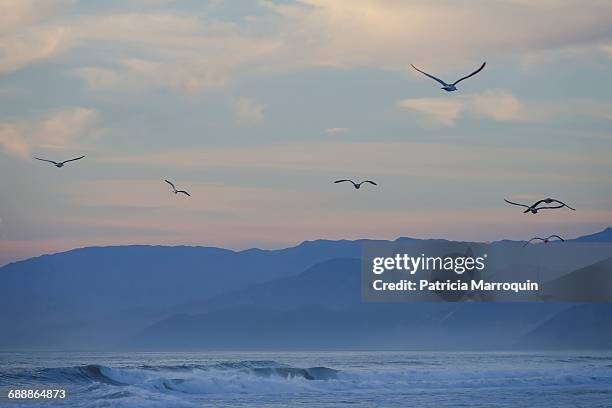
{"x": 556, "y": 236}
{"x": 184, "y": 192}
{"x": 341, "y": 181}
{"x": 533, "y": 239}
{"x": 45, "y": 160}
{"x": 522, "y": 205}
{"x": 78, "y": 158}
{"x": 431, "y": 76}
{"x": 552, "y": 207}
{"x": 174, "y": 188}
{"x": 563, "y": 204}
{"x": 534, "y": 205}
{"x": 369, "y": 181}
{"x": 472, "y": 74}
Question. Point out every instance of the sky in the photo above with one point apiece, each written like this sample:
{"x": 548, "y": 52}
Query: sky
{"x": 255, "y": 107}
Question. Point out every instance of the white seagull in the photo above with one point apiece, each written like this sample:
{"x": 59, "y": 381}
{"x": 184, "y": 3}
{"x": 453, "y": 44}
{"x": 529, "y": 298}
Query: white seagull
{"x": 534, "y": 207}
{"x": 59, "y": 164}
{"x": 356, "y": 185}
{"x": 544, "y": 240}
{"x": 175, "y": 191}
{"x": 451, "y": 87}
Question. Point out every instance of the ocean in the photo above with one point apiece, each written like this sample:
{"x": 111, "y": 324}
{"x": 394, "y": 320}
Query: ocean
{"x": 312, "y": 379}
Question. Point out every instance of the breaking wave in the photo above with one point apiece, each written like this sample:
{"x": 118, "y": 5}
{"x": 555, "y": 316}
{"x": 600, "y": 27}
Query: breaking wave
{"x": 189, "y": 385}
{"x": 242, "y": 376}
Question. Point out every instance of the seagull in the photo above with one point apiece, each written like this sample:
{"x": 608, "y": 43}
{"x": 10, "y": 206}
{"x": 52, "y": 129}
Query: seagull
{"x": 544, "y": 240}
{"x": 534, "y": 207}
{"x": 451, "y": 87}
{"x": 356, "y": 185}
{"x": 175, "y": 191}
{"x": 552, "y": 200}
{"x": 59, "y": 164}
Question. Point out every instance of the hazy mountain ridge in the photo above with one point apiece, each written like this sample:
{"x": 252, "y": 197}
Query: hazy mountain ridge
{"x": 322, "y": 308}
{"x": 591, "y": 328}
{"x": 102, "y": 297}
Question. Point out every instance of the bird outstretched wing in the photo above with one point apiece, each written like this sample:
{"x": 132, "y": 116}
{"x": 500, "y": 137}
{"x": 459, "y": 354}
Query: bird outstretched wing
{"x": 431, "y": 76}
{"x": 533, "y": 239}
{"x": 513, "y": 203}
{"x": 343, "y": 180}
{"x": 183, "y": 192}
{"x": 369, "y": 181}
{"x": 45, "y": 160}
{"x": 552, "y": 207}
{"x": 538, "y": 203}
{"x": 556, "y": 236}
{"x": 169, "y": 182}
{"x": 471, "y": 75}
{"x": 77, "y": 158}
{"x": 563, "y": 204}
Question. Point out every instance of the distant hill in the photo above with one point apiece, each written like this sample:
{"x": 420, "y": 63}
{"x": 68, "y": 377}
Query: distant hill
{"x": 90, "y": 283}
{"x": 589, "y": 284}
{"x": 335, "y": 282}
{"x": 601, "y": 236}
{"x": 584, "y": 326}
{"x": 104, "y": 297}
{"x": 322, "y": 308}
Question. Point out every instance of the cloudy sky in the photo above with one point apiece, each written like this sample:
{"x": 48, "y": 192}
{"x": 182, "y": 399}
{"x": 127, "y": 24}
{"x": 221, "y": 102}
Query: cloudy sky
{"x": 257, "y": 106}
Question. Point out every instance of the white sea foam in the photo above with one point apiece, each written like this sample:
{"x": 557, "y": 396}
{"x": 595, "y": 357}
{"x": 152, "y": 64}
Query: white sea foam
{"x": 132, "y": 384}
{"x": 284, "y": 379}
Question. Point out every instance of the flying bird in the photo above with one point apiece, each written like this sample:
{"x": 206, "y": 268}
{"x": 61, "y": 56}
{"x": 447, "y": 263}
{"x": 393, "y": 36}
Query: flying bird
{"x": 544, "y": 240}
{"x": 534, "y": 207}
{"x": 356, "y": 185}
{"x": 550, "y": 201}
{"x": 451, "y": 87}
{"x": 175, "y": 191}
{"x": 59, "y": 164}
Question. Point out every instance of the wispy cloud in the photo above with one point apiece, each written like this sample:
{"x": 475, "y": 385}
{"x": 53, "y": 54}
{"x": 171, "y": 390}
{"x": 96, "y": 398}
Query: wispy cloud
{"x": 261, "y": 184}
{"x": 337, "y": 130}
{"x": 25, "y": 35}
{"x": 435, "y": 161}
{"x": 378, "y": 33}
{"x": 502, "y": 106}
{"x": 98, "y": 78}
{"x": 35, "y": 45}
{"x": 188, "y": 52}
{"x": 499, "y": 105}
{"x": 437, "y": 110}
{"x": 58, "y": 130}
{"x": 172, "y": 50}
{"x": 208, "y": 201}
{"x": 249, "y": 110}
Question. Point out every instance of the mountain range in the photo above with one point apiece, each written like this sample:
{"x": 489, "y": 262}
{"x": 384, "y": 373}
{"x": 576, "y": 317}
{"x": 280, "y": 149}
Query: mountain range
{"x": 307, "y": 296}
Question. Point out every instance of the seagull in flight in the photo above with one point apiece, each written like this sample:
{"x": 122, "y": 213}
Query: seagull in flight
{"x": 451, "y": 87}
{"x": 534, "y": 207}
{"x": 544, "y": 240}
{"x": 550, "y": 201}
{"x": 356, "y": 185}
{"x": 175, "y": 191}
{"x": 59, "y": 164}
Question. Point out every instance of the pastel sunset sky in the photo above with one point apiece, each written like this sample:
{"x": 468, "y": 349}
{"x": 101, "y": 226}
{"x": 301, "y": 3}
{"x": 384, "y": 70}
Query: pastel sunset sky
{"x": 255, "y": 107}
